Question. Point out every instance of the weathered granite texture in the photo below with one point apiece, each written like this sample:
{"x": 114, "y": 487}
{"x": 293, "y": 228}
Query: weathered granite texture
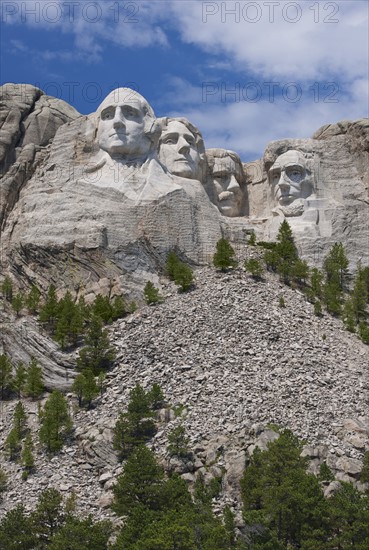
{"x": 337, "y": 209}
{"x": 29, "y": 120}
{"x": 114, "y": 191}
{"x": 104, "y": 209}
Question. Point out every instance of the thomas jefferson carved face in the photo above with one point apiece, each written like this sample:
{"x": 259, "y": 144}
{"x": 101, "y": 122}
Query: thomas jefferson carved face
{"x": 178, "y": 150}
{"x": 125, "y": 119}
{"x": 289, "y": 178}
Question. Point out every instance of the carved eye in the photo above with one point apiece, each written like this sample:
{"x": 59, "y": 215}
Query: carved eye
{"x": 294, "y": 174}
{"x": 130, "y": 112}
{"x": 190, "y": 140}
{"x": 169, "y": 141}
{"x": 107, "y": 115}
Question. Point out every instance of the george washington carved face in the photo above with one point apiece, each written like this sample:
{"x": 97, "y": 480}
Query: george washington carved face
{"x": 125, "y": 124}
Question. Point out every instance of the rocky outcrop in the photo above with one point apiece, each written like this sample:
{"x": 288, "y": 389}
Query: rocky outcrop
{"x": 29, "y": 120}
{"x": 23, "y": 339}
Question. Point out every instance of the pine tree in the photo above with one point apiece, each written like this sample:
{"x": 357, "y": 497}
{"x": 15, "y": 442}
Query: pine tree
{"x": 136, "y": 426}
{"x": 84, "y": 309}
{"x": 183, "y": 276}
{"x": 178, "y": 443}
{"x": 316, "y": 282}
{"x": 252, "y": 239}
{"x": 364, "y": 475}
{"x": 171, "y": 264}
{"x": 13, "y": 444}
{"x": 151, "y": 293}
{"x": 80, "y": 534}
{"x": 271, "y": 260}
{"x": 317, "y": 308}
{"x": 3, "y": 482}
{"x": 48, "y": 516}
{"x": 156, "y": 397}
{"x": 90, "y": 389}
{"x": 300, "y": 272}
{"x": 285, "y": 501}
{"x": 7, "y": 288}
{"x": 230, "y": 526}
{"x": 349, "y": 518}
{"x": 6, "y": 378}
{"x": 20, "y": 420}
{"x": 17, "y": 303}
{"x": 364, "y": 332}
{"x": 97, "y": 354}
{"x": 17, "y": 531}
{"x": 56, "y": 424}
{"x": 119, "y": 307}
{"x": 224, "y": 257}
{"x": 286, "y": 250}
{"x": 178, "y": 271}
{"x": 62, "y": 330}
{"x": 19, "y": 379}
{"x": 78, "y": 387}
{"x": 69, "y": 324}
{"x": 34, "y": 384}
{"x": 101, "y": 382}
{"x": 359, "y": 295}
{"x": 332, "y": 295}
{"x": 140, "y": 485}
{"x": 102, "y": 308}
{"x": 254, "y": 266}
{"x": 348, "y": 315}
{"x": 335, "y": 266}
{"x": 49, "y": 311}
{"x": 27, "y": 458}
{"x": 33, "y": 299}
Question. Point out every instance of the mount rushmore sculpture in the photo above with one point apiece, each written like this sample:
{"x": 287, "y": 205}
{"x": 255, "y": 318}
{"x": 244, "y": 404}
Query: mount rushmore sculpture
{"x": 106, "y": 196}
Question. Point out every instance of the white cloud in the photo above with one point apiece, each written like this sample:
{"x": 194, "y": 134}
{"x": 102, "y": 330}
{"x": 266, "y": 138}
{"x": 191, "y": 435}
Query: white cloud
{"x": 279, "y": 48}
{"x": 310, "y": 52}
{"x": 247, "y": 127}
{"x": 94, "y": 24}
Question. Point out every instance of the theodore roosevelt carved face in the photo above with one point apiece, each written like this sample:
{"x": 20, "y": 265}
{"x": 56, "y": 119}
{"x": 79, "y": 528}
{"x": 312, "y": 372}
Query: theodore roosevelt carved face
{"x": 290, "y": 178}
{"x": 227, "y": 180}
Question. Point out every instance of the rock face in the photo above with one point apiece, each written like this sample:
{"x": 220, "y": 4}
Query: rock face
{"x": 29, "y": 120}
{"x": 109, "y": 213}
{"x": 94, "y": 203}
{"x": 114, "y": 191}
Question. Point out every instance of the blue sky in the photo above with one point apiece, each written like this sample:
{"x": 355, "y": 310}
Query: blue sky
{"x": 245, "y": 73}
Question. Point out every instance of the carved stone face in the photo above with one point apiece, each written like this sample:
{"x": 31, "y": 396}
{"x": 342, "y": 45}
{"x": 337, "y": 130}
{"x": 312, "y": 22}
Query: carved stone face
{"x": 178, "y": 151}
{"x": 122, "y": 124}
{"x": 227, "y": 188}
{"x": 289, "y": 178}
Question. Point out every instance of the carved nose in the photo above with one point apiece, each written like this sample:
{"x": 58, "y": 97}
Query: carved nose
{"x": 118, "y": 121}
{"x": 233, "y": 185}
{"x": 183, "y": 145}
{"x": 283, "y": 185}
